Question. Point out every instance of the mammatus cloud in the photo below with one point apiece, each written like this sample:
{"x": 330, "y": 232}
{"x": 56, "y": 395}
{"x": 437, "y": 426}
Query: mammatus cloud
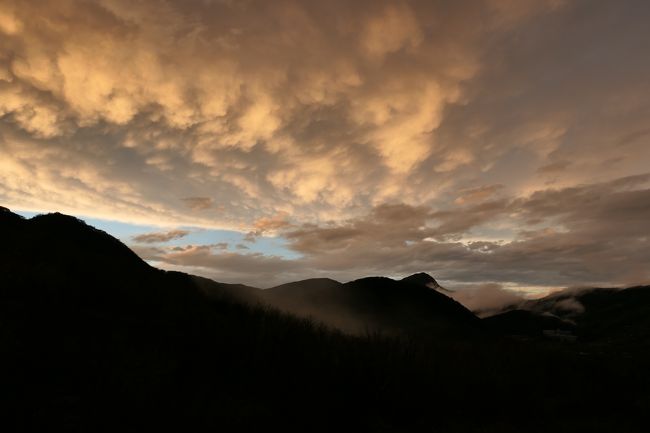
{"x": 479, "y": 140}
{"x": 198, "y": 203}
{"x": 323, "y": 111}
{"x": 479, "y": 194}
{"x": 152, "y": 238}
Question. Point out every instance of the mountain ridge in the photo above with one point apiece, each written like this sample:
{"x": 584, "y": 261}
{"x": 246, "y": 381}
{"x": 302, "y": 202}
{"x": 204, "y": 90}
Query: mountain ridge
{"x": 69, "y": 251}
{"x": 134, "y": 348}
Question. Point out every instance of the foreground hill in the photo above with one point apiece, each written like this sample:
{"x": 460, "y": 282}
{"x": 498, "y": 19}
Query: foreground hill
{"x": 94, "y": 339}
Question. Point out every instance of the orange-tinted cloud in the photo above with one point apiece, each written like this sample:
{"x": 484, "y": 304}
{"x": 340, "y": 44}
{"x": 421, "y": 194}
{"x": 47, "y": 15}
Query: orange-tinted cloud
{"x": 155, "y": 112}
{"x": 160, "y": 237}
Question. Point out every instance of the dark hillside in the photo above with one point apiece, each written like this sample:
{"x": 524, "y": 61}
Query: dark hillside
{"x": 603, "y": 316}
{"x": 375, "y": 304}
{"x": 529, "y": 324}
{"x": 92, "y": 339}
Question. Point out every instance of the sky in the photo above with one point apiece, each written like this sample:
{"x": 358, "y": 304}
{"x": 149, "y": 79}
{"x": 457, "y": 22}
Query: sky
{"x": 499, "y": 145}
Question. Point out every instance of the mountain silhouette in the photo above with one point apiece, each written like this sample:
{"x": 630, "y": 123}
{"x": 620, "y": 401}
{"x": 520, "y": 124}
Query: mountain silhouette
{"x": 598, "y": 315}
{"x": 68, "y": 254}
{"x": 375, "y": 304}
{"x": 55, "y": 258}
{"x": 92, "y": 338}
{"x": 530, "y": 324}
{"x": 423, "y": 279}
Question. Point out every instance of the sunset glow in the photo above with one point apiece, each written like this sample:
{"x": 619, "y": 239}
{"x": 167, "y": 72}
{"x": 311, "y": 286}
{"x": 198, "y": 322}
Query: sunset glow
{"x": 493, "y": 143}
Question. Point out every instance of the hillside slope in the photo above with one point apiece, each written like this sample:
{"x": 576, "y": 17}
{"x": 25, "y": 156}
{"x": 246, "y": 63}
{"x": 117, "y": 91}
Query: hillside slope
{"x": 375, "y": 304}
{"x": 94, "y": 339}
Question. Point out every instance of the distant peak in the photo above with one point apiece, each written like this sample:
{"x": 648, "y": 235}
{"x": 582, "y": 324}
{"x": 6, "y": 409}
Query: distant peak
{"x": 322, "y": 280}
{"x": 310, "y": 283}
{"x": 423, "y": 279}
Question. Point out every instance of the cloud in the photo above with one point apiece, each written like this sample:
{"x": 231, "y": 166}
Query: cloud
{"x": 253, "y": 268}
{"x": 272, "y": 223}
{"x": 322, "y": 112}
{"x": 571, "y": 305}
{"x": 267, "y": 225}
{"x": 10, "y": 24}
{"x": 554, "y": 167}
{"x": 593, "y": 235}
{"x": 221, "y": 245}
{"x": 160, "y": 237}
{"x": 392, "y": 29}
{"x": 590, "y": 235}
{"x": 198, "y": 203}
{"x": 486, "y": 299}
{"x": 477, "y": 194}
{"x": 483, "y": 141}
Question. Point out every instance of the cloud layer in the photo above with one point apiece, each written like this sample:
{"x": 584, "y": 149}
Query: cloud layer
{"x": 588, "y": 235}
{"x": 485, "y": 141}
